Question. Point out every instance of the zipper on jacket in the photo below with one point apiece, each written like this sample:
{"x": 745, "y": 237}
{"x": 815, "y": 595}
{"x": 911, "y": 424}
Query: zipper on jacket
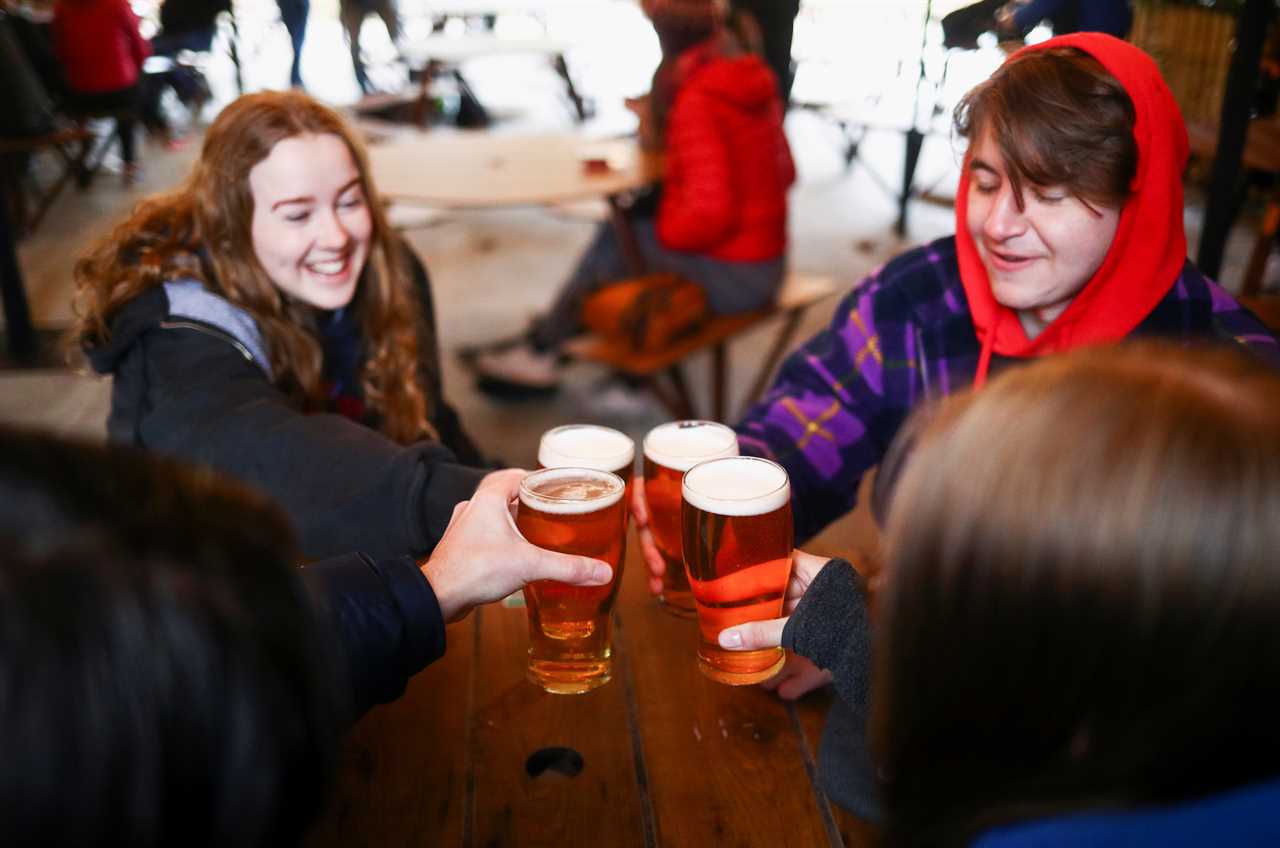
{"x": 210, "y": 330}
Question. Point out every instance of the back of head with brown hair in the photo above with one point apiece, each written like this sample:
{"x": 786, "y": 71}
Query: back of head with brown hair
{"x": 203, "y": 230}
{"x": 164, "y": 679}
{"x": 1059, "y": 119}
{"x": 1083, "y": 605}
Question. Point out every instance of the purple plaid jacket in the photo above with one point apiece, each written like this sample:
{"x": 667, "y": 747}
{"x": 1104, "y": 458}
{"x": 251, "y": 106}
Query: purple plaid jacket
{"x": 905, "y": 335}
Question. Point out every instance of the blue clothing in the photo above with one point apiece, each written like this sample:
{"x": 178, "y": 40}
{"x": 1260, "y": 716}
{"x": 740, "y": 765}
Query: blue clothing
{"x": 1113, "y": 17}
{"x": 294, "y": 15}
{"x": 1243, "y": 817}
{"x": 386, "y": 622}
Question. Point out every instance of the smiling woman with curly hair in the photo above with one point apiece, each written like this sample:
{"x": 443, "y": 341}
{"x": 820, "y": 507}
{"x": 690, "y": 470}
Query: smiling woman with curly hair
{"x": 269, "y": 287}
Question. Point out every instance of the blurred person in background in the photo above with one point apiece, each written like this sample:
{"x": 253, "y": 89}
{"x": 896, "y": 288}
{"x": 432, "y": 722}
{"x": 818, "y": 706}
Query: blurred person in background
{"x": 188, "y": 25}
{"x": 775, "y": 22}
{"x": 294, "y": 15}
{"x": 101, "y": 51}
{"x": 352, "y": 14}
{"x": 1113, "y": 17}
{"x": 720, "y": 217}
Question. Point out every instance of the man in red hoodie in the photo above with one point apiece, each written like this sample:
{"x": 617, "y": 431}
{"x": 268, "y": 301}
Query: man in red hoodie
{"x": 721, "y": 219}
{"x": 102, "y": 51}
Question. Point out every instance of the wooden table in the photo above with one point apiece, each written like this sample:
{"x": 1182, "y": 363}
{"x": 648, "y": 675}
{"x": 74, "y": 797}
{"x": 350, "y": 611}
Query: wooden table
{"x": 668, "y": 756}
{"x": 477, "y": 170}
{"x": 484, "y": 170}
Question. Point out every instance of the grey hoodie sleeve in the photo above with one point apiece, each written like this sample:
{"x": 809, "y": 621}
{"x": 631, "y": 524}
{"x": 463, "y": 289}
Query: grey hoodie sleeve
{"x": 831, "y": 627}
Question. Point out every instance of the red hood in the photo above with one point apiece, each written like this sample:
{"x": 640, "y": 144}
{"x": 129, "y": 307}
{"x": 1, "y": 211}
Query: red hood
{"x": 744, "y": 81}
{"x": 1150, "y": 246}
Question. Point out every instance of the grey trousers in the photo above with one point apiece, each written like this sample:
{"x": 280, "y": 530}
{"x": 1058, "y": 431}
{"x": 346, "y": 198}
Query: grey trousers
{"x": 730, "y": 286}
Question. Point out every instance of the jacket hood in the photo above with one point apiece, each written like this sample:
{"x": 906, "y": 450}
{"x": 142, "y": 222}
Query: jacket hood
{"x": 133, "y": 319}
{"x": 1150, "y": 246}
{"x": 743, "y": 81}
{"x": 186, "y": 303}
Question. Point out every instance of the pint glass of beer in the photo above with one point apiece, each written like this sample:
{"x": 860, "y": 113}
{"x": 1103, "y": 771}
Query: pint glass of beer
{"x": 669, "y": 451}
{"x": 736, "y": 520}
{"x": 573, "y": 511}
{"x": 588, "y": 446}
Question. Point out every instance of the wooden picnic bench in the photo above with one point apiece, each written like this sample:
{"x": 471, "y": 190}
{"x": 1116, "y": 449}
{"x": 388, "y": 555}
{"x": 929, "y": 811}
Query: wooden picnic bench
{"x": 799, "y": 292}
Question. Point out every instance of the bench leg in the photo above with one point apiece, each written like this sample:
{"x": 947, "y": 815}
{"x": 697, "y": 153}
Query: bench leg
{"x": 719, "y": 380}
{"x": 21, "y": 335}
{"x": 579, "y": 105}
{"x": 70, "y": 165}
{"x": 671, "y": 400}
{"x": 682, "y": 404}
{"x": 626, "y": 237}
{"x": 1261, "y": 249}
{"x": 780, "y": 343}
{"x": 422, "y": 108}
{"x": 915, "y": 140}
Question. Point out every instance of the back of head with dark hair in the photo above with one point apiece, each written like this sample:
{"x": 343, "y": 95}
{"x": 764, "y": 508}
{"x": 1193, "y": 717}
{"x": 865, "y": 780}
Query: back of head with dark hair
{"x": 1083, "y": 607}
{"x": 161, "y": 677}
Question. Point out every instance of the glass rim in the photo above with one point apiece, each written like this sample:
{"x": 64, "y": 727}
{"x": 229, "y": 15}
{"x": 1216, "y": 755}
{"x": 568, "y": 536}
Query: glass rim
{"x": 619, "y": 485}
{"x": 623, "y": 454}
{"x": 785, "y": 484}
{"x": 691, "y": 423}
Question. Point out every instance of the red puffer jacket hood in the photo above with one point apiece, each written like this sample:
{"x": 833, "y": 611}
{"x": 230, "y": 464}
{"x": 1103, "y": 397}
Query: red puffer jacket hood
{"x": 727, "y": 163}
{"x": 744, "y": 81}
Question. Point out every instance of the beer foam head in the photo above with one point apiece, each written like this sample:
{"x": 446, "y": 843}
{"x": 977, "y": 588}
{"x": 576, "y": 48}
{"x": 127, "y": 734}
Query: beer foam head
{"x": 586, "y": 446}
{"x": 738, "y": 485}
{"x": 680, "y": 445}
{"x": 570, "y": 491}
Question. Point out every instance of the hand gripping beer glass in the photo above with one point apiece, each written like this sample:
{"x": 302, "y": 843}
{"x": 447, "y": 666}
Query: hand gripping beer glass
{"x": 574, "y": 511}
{"x": 736, "y": 522}
{"x": 669, "y": 451}
{"x": 588, "y": 446}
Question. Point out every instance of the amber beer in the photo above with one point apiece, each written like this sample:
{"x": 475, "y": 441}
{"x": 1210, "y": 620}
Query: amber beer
{"x": 588, "y": 446}
{"x": 573, "y": 511}
{"x": 669, "y": 451}
{"x": 736, "y": 522}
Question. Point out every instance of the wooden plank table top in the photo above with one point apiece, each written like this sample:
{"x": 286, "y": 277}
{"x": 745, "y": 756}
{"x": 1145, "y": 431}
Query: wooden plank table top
{"x": 473, "y": 754}
{"x": 473, "y": 170}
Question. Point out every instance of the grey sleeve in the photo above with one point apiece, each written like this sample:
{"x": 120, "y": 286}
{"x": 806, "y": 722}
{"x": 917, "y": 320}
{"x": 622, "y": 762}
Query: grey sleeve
{"x": 831, "y": 627}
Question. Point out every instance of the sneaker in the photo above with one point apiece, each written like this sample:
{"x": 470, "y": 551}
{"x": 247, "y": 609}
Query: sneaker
{"x": 518, "y": 370}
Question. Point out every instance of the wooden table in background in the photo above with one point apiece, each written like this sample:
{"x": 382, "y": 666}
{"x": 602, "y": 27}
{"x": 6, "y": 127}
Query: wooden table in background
{"x": 668, "y": 756}
{"x": 486, "y": 170}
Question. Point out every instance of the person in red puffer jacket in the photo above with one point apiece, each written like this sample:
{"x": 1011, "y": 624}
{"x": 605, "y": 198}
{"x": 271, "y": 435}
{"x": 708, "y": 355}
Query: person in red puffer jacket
{"x": 721, "y": 217}
{"x": 102, "y": 51}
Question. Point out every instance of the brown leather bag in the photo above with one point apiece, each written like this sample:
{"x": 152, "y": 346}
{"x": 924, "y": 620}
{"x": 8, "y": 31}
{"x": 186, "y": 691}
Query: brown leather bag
{"x": 646, "y": 313}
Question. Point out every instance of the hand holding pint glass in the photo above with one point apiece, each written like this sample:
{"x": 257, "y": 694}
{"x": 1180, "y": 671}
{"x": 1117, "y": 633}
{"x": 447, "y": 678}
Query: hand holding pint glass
{"x": 669, "y": 451}
{"x": 737, "y": 535}
{"x": 574, "y": 511}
